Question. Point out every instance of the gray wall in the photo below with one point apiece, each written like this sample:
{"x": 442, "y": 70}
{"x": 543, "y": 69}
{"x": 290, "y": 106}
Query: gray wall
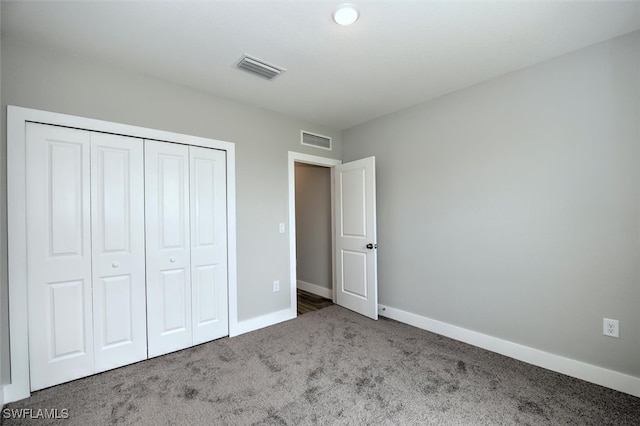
{"x": 313, "y": 224}
{"x": 512, "y": 207}
{"x": 39, "y": 78}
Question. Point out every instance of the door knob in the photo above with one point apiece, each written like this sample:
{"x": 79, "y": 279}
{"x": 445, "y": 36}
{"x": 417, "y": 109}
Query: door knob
{"x": 115, "y": 264}
{"x": 172, "y": 259}
{"x": 372, "y": 246}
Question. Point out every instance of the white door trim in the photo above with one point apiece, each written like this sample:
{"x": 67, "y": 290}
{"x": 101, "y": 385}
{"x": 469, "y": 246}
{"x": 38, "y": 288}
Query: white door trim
{"x": 17, "y": 117}
{"x": 297, "y": 157}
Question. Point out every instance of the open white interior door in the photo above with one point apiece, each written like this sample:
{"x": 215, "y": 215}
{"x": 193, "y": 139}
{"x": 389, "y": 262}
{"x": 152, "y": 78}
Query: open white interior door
{"x": 355, "y": 240}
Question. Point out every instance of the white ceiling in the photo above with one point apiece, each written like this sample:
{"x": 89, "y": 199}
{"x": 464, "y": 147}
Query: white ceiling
{"x": 398, "y": 54}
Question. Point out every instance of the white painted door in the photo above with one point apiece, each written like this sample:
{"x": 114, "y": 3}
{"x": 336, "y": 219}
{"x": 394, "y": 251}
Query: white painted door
{"x": 355, "y": 227}
{"x": 169, "y": 316}
{"x": 58, "y": 254}
{"x": 118, "y": 247}
{"x": 208, "y": 244}
{"x": 126, "y": 250}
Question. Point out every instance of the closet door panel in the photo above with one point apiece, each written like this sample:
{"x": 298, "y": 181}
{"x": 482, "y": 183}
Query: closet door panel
{"x": 175, "y": 306}
{"x": 168, "y": 247}
{"x": 208, "y": 244}
{"x": 118, "y": 247}
{"x": 58, "y": 254}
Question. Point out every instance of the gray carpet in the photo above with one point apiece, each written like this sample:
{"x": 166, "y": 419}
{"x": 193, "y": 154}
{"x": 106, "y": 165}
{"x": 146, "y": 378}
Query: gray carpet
{"x": 334, "y": 367}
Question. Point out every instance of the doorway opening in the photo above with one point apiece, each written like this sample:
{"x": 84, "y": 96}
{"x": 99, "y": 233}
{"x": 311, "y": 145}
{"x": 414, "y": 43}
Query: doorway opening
{"x": 354, "y": 280}
{"x": 311, "y": 236}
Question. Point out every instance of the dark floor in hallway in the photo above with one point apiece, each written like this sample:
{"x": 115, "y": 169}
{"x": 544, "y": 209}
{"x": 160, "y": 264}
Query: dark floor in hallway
{"x": 309, "y": 302}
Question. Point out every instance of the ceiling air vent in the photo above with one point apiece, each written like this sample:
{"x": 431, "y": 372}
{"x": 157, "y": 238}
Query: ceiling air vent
{"x": 318, "y": 141}
{"x": 259, "y": 67}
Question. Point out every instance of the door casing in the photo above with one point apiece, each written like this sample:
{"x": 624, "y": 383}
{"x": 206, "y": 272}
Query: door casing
{"x": 297, "y": 157}
{"x": 17, "y": 117}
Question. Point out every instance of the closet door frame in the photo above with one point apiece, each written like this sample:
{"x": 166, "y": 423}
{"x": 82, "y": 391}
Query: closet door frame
{"x": 17, "y": 118}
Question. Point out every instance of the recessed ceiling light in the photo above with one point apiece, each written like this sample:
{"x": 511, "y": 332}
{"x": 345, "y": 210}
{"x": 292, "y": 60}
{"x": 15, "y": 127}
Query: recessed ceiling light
{"x": 345, "y": 14}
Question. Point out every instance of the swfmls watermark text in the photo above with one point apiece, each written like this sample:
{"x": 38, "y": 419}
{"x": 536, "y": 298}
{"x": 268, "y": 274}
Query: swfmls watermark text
{"x": 35, "y": 413}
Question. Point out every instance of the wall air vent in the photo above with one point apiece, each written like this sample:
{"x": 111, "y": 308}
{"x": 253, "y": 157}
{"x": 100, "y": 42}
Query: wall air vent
{"x": 318, "y": 141}
{"x": 259, "y": 67}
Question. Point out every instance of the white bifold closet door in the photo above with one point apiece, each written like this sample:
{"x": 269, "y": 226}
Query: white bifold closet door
{"x": 185, "y": 197}
{"x": 100, "y": 294}
{"x": 86, "y": 310}
{"x": 208, "y": 208}
{"x": 118, "y": 246}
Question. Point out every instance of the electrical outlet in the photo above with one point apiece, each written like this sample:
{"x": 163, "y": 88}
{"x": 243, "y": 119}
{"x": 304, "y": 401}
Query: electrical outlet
{"x": 276, "y": 285}
{"x": 610, "y": 327}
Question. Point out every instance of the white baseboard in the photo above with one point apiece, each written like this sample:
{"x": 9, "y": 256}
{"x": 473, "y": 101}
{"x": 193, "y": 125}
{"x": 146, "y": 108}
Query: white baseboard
{"x": 257, "y": 323}
{"x": 570, "y": 367}
{"x": 315, "y": 289}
